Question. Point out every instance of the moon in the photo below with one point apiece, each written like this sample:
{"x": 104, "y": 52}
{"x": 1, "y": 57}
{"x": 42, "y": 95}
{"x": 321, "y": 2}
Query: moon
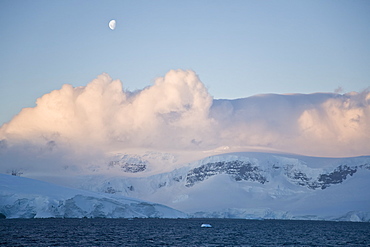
{"x": 112, "y": 24}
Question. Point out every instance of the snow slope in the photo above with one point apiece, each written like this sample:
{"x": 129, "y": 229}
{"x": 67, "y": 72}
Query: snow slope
{"x": 254, "y": 185}
{"x": 27, "y": 198}
{"x": 234, "y": 185}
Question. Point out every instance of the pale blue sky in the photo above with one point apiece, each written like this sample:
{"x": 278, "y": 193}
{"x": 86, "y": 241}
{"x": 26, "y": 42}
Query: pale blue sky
{"x": 238, "y": 48}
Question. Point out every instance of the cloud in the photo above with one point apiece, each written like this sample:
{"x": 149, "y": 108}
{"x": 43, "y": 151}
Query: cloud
{"x": 169, "y": 114}
{"x": 321, "y": 124}
{"x": 341, "y": 123}
{"x": 177, "y": 113}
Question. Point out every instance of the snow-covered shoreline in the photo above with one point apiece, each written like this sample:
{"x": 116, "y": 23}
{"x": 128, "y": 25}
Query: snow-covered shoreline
{"x": 28, "y": 198}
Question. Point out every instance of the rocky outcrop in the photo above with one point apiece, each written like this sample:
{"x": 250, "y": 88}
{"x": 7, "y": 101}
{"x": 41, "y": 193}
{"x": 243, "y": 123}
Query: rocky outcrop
{"x": 323, "y": 181}
{"x": 238, "y": 170}
{"x": 337, "y": 176}
{"x": 130, "y": 164}
{"x": 242, "y": 170}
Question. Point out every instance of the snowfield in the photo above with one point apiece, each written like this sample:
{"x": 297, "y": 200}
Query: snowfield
{"x": 27, "y": 198}
{"x": 245, "y": 185}
{"x": 253, "y": 185}
{"x": 173, "y": 144}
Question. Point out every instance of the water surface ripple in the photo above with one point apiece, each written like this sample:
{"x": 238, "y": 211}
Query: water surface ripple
{"x": 181, "y": 232}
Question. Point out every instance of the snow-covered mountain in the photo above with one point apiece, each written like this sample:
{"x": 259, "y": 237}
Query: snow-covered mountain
{"x": 233, "y": 185}
{"x": 251, "y": 185}
{"x": 159, "y": 144}
{"x": 28, "y": 198}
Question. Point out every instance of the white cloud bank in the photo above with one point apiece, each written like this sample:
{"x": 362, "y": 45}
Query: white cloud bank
{"x": 177, "y": 113}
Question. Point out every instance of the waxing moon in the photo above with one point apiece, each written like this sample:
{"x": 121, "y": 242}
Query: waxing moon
{"x": 112, "y": 24}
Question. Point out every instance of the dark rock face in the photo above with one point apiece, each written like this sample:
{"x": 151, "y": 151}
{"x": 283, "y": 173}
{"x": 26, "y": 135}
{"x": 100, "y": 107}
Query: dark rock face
{"x": 129, "y": 167}
{"x": 365, "y": 166}
{"x": 110, "y": 190}
{"x": 323, "y": 181}
{"x": 337, "y": 176}
{"x": 133, "y": 168}
{"x": 177, "y": 179}
{"x": 239, "y": 170}
{"x": 300, "y": 178}
{"x": 163, "y": 184}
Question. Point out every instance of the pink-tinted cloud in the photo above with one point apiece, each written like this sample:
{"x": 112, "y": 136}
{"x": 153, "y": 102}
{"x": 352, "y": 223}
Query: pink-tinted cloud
{"x": 169, "y": 114}
{"x": 177, "y": 113}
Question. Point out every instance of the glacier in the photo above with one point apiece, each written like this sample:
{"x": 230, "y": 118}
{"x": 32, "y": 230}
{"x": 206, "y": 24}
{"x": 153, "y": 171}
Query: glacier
{"x": 183, "y": 149}
{"x": 251, "y": 185}
{"x": 28, "y": 198}
{"x": 248, "y": 185}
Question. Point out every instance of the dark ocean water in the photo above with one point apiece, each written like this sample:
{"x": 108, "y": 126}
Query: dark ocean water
{"x": 181, "y": 232}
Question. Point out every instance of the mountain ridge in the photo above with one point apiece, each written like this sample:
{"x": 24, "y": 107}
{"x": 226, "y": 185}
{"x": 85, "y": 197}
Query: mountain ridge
{"x": 251, "y": 181}
{"x": 241, "y": 185}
